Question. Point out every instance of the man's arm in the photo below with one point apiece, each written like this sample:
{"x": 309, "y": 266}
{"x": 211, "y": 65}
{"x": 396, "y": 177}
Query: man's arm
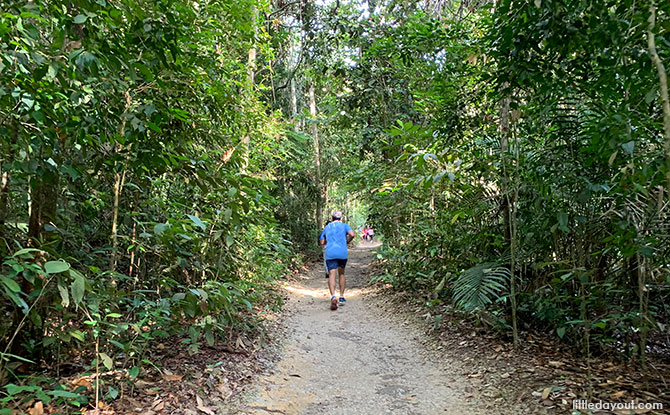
{"x": 322, "y": 239}
{"x": 350, "y": 236}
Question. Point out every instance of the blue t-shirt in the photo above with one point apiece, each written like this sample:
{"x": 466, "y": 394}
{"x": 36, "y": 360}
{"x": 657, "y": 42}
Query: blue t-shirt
{"x": 335, "y": 234}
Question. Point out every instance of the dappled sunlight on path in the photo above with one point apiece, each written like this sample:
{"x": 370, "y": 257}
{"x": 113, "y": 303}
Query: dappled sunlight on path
{"x": 354, "y": 360}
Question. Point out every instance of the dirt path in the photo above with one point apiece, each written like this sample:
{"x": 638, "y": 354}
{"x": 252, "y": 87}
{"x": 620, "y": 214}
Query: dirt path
{"x": 355, "y": 360}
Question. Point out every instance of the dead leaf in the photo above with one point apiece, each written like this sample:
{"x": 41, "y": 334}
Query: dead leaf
{"x": 158, "y": 405}
{"x": 82, "y": 382}
{"x": 224, "y": 390}
{"x": 201, "y": 406}
{"x": 240, "y": 343}
{"x": 546, "y": 392}
{"x": 38, "y": 409}
{"x": 173, "y": 378}
{"x": 617, "y": 395}
{"x": 142, "y": 384}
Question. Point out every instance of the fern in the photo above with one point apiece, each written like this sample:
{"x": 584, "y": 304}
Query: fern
{"x": 480, "y": 285}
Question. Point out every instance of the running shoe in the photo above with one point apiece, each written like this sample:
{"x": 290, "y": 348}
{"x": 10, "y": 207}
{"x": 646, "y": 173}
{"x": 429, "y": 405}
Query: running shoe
{"x": 342, "y": 301}
{"x": 333, "y": 303}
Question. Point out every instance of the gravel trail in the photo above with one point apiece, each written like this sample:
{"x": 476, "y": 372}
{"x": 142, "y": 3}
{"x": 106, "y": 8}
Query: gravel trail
{"x": 356, "y": 360}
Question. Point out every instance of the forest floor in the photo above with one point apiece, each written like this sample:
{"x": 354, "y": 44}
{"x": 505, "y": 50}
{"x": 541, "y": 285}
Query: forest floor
{"x": 381, "y": 354}
{"x": 356, "y": 360}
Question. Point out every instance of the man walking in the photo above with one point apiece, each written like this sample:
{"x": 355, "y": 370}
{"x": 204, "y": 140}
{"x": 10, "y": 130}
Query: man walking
{"x": 335, "y": 236}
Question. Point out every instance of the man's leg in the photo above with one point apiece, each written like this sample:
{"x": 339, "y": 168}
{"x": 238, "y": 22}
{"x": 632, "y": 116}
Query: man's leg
{"x": 343, "y": 281}
{"x": 331, "y": 280}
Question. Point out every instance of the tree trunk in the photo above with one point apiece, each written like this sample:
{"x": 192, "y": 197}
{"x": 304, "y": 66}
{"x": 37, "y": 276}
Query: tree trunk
{"x": 119, "y": 181}
{"x": 509, "y": 215}
{"x": 4, "y": 196}
{"x": 504, "y": 150}
{"x": 44, "y": 200}
{"x": 133, "y": 237}
{"x": 294, "y": 100}
{"x": 251, "y": 74}
{"x": 317, "y": 157}
{"x": 4, "y": 180}
{"x": 663, "y": 84}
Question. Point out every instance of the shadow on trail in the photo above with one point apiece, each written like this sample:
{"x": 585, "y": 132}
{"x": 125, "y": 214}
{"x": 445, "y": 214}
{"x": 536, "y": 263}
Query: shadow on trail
{"x": 314, "y": 284}
{"x": 356, "y": 360}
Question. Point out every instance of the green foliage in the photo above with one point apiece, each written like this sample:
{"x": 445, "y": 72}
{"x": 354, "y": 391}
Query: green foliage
{"x": 564, "y": 188}
{"x": 479, "y": 286}
{"x": 125, "y": 173}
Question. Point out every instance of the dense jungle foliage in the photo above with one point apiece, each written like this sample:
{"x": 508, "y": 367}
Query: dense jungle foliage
{"x": 165, "y": 163}
{"x": 517, "y": 161}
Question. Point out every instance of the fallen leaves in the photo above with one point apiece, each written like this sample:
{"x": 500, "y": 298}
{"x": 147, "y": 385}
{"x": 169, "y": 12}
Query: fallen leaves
{"x": 83, "y": 381}
{"x": 38, "y": 409}
{"x": 158, "y": 405}
{"x": 172, "y": 378}
{"x": 200, "y": 404}
{"x": 617, "y": 395}
{"x": 224, "y": 390}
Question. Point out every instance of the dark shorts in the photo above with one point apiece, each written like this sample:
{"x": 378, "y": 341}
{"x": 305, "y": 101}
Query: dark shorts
{"x": 336, "y": 263}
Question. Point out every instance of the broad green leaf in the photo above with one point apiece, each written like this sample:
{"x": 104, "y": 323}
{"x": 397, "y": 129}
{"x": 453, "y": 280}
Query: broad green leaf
{"x": 52, "y": 71}
{"x": 13, "y": 389}
{"x": 113, "y": 392}
{"x": 80, "y": 18}
{"x": 560, "y": 331}
{"x": 197, "y": 222}
{"x": 63, "y": 394}
{"x": 26, "y": 251}
{"x": 55, "y": 267}
{"x": 78, "y": 286}
{"x": 107, "y": 361}
{"x": 65, "y": 297}
{"x": 209, "y": 337}
{"x": 628, "y": 147}
{"x": 78, "y": 334}
{"x": 160, "y": 228}
{"x": 562, "y": 218}
{"x": 11, "y": 284}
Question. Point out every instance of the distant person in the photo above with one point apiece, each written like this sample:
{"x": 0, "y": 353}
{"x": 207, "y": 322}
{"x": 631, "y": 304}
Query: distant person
{"x": 335, "y": 236}
{"x": 371, "y": 234}
{"x": 367, "y": 233}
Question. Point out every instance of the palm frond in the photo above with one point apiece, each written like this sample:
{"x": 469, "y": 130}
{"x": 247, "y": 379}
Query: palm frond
{"x": 480, "y": 285}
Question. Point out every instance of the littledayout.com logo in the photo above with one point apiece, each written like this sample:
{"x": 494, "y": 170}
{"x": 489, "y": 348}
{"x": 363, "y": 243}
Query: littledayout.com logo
{"x": 583, "y": 404}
